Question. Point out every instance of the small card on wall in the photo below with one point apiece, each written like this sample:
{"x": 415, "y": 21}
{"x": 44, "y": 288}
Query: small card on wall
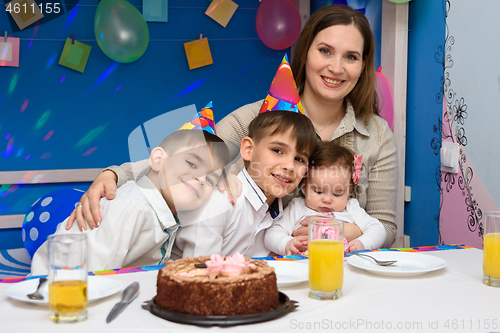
{"x": 221, "y": 11}
{"x": 24, "y": 12}
{"x": 9, "y": 52}
{"x": 155, "y": 10}
{"x": 198, "y": 53}
{"x": 75, "y": 55}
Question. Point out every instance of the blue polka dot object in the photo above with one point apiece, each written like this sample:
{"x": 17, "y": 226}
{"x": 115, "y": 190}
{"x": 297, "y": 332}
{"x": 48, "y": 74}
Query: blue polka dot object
{"x": 44, "y": 216}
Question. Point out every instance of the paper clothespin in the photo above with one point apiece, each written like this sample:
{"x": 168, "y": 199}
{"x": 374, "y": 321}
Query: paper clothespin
{"x": 72, "y": 38}
{"x": 5, "y": 35}
{"x": 201, "y": 38}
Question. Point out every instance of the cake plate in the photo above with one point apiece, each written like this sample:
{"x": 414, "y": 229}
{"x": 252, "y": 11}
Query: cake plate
{"x": 285, "y": 306}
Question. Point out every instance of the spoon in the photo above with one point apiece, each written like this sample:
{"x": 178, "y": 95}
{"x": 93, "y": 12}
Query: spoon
{"x": 379, "y": 262}
{"x": 37, "y": 295}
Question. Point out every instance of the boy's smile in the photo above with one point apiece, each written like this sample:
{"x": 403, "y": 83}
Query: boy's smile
{"x": 274, "y": 164}
{"x": 190, "y": 178}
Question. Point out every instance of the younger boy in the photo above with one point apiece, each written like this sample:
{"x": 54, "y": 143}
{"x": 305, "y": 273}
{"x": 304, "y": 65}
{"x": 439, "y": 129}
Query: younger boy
{"x": 275, "y": 152}
{"x": 141, "y": 222}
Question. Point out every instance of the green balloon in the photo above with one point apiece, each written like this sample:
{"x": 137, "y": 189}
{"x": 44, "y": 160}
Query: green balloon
{"x": 120, "y": 30}
{"x": 399, "y": 1}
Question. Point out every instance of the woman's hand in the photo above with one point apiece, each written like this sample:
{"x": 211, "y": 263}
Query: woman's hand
{"x": 234, "y": 188}
{"x": 351, "y": 231}
{"x": 302, "y": 230}
{"x": 88, "y": 211}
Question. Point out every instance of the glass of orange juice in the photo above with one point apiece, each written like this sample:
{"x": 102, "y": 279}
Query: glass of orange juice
{"x": 68, "y": 273}
{"x": 491, "y": 250}
{"x": 326, "y": 258}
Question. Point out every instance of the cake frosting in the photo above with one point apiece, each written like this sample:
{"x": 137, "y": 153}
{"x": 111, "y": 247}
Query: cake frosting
{"x": 217, "y": 286}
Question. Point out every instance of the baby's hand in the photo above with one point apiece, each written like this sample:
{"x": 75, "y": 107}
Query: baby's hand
{"x": 356, "y": 245}
{"x": 294, "y": 245}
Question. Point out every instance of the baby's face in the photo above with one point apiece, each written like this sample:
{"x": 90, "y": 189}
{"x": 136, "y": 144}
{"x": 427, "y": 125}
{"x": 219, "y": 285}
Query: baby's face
{"x": 327, "y": 189}
{"x": 190, "y": 177}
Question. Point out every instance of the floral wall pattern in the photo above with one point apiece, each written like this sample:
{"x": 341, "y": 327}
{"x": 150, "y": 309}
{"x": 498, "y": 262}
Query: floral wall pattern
{"x": 464, "y": 197}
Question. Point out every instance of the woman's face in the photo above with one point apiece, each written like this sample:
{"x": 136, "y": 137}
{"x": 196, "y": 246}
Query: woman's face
{"x": 334, "y": 63}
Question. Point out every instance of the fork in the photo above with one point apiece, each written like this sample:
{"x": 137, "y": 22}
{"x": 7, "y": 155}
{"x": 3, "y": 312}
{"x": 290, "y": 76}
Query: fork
{"x": 37, "y": 295}
{"x": 378, "y": 262}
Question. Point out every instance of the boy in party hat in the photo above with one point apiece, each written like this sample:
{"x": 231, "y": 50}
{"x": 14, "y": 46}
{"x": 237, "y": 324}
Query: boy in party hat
{"x": 140, "y": 224}
{"x": 276, "y": 151}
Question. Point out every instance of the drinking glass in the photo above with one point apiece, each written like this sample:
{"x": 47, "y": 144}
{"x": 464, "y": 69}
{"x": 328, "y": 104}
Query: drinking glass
{"x": 491, "y": 250}
{"x": 68, "y": 272}
{"x": 326, "y": 258}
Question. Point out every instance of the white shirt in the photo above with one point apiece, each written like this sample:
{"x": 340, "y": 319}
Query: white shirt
{"x": 280, "y": 233}
{"x": 137, "y": 229}
{"x": 221, "y": 228}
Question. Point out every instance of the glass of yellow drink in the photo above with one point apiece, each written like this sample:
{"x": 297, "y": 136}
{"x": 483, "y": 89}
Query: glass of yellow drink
{"x": 68, "y": 277}
{"x": 491, "y": 250}
{"x": 326, "y": 258}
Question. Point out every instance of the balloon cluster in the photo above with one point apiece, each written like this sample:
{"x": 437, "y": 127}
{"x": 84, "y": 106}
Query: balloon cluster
{"x": 120, "y": 30}
{"x": 278, "y": 23}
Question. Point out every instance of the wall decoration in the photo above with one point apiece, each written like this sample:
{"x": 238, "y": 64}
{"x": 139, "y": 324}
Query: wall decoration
{"x": 9, "y": 52}
{"x": 464, "y": 196}
{"x": 24, "y": 12}
{"x": 198, "y": 53}
{"x": 278, "y": 23}
{"x": 221, "y": 11}
{"x": 120, "y": 30}
{"x": 385, "y": 100}
{"x": 155, "y": 10}
{"x": 75, "y": 55}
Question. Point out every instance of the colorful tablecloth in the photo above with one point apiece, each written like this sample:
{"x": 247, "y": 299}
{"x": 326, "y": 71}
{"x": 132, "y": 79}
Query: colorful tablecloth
{"x": 289, "y": 258}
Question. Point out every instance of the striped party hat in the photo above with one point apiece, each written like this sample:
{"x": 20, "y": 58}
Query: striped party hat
{"x": 204, "y": 120}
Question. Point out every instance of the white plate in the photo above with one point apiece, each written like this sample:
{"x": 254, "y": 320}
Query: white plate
{"x": 290, "y": 273}
{"x": 98, "y": 287}
{"x": 409, "y": 264}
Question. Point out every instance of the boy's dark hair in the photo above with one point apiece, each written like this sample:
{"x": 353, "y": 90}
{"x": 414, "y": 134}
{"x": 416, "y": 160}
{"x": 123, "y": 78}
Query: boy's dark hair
{"x": 188, "y": 138}
{"x": 277, "y": 122}
{"x": 329, "y": 153}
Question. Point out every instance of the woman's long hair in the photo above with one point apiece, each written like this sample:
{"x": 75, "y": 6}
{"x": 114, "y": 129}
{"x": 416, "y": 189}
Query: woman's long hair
{"x": 364, "y": 96}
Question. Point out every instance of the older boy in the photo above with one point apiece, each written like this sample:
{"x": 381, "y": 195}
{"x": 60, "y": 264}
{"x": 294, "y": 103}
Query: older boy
{"x": 141, "y": 222}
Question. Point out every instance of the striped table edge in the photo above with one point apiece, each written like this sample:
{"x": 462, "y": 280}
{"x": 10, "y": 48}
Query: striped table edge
{"x": 282, "y": 258}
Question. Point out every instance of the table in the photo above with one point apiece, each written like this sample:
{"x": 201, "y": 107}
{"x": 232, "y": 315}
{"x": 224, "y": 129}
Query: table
{"x": 452, "y": 299}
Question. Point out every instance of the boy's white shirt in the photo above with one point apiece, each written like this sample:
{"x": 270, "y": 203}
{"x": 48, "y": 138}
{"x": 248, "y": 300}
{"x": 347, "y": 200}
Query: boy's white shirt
{"x": 221, "y": 228}
{"x": 280, "y": 233}
{"x": 133, "y": 231}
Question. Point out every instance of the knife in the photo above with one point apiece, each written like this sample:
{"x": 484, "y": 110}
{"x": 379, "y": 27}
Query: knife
{"x": 129, "y": 294}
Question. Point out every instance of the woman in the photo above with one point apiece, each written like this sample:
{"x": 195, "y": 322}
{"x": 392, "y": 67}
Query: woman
{"x": 334, "y": 69}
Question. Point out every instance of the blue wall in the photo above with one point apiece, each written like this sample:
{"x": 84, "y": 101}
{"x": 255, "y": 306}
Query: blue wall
{"x": 424, "y": 111}
{"x": 52, "y": 117}
{"x": 92, "y": 114}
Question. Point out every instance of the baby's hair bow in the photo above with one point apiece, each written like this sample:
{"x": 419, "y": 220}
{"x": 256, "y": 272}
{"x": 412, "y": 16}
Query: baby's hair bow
{"x": 357, "y": 168}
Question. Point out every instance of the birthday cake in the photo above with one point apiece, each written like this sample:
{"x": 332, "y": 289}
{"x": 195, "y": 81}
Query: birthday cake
{"x": 217, "y": 286}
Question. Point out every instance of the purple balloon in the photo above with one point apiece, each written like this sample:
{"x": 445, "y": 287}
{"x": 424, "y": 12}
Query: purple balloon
{"x": 278, "y": 23}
